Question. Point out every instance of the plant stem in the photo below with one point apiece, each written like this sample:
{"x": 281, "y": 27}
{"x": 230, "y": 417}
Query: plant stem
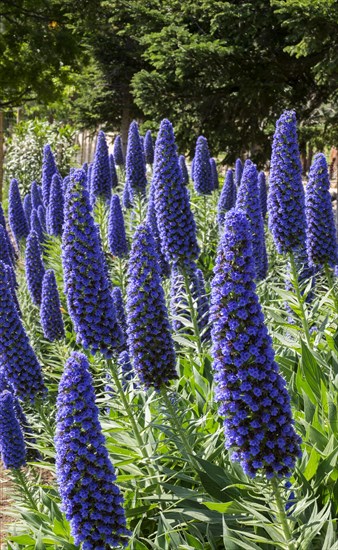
{"x": 299, "y": 298}
{"x": 282, "y": 515}
{"x": 177, "y": 426}
{"x": 46, "y": 424}
{"x": 121, "y": 270}
{"x": 330, "y": 281}
{"x": 153, "y": 472}
{"x": 21, "y": 480}
{"x": 193, "y": 313}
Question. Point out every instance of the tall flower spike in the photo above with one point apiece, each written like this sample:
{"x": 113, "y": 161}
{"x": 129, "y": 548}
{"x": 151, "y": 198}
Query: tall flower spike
{"x": 214, "y": 173}
{"x": 149, "y": 338}
{"x": 17, "y": 358}
{"x": 90, "y": 498}
{"x": 100, "y": 185}
{"x": 148, "y": 148}
{"x": 321, "y": 230}
{"x": 184, "y": 169}
{"x": 253, "y": 398}
{"x": 135, "y": 167}
{"x": 42, "y": 217}
{"x": 34, "y": 267}
{"x": 117, "y": 152}
{"x": 152, "y": 224}
{"x": 67, "y": 179}
{"x": 126, "y": 200}
{"x": 262, "y": 193}
{"x": 12, "y": 444}
{"x": 227, "y": 198}
{"x": 50, "y": 311}
{"x": 286, "y": 203}
{"x": 48, "y": 170}
{"x": 200, "y": 295}
{"x": 16, "y": 215}
{"x": 9, "y": 242}
{"x": 119, "y": 308}
{"x": 87, "y": 287}
{"x": 36, "y": 225}
{"x": 113, "y": 175}
{"x": 27, "y": 206}
{"x": 54, "y": 214}
{"x": 117, "y": 239}
{"x": 238, "y": 172}
{"x": 203, "y": 179}
{"x": 27, "y": 432}
{"x": 175, "y": 220}
{"x": 13, "y": 285}
{"x": 35, "y": 195}
{"x": 143, "y": 154}
{"x": 248, "y": 200}
{"x": 4, "y": 250}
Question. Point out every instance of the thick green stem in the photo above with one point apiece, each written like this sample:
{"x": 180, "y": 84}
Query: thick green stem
{"x": 299, "y": 298}
{"x": 21, "y": 480}
{"x": 193, "y": 313}
{"x": 177, "y": 426}
{"x": 282, "y": 515}
{"x": 330, "y": 281}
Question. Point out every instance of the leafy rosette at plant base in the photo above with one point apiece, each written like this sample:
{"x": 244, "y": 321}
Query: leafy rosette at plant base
{"x": 86, "y": 285}
{"x": 253, "y": 399}
{"x": 90, "y": 498}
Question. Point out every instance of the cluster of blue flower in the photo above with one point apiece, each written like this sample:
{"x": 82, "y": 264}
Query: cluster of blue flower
{"x": 253, "y": 398}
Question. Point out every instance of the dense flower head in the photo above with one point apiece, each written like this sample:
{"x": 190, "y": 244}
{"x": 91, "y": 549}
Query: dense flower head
{"x": 214, "y": 173}
{"x": 17, "y": 358}
{"x": 13, "y": 285}
{"x": 100, "y": 185}
{"x": 238, "y": 172}
{"x": 117, "y": 240}
{"x": 248, "y": 200}
{"x": 42, "y": 217}
{"x": 184, "y": 169}
{"x": 175, "y": 220}
{"x": 149, "y": 338}
{"x": 66, "y": 180}
{"x": 117, "y": 152}
{"x": 262, "y": 193}
{"x": 86, "y": 285}
{"x": 152, "y": 224}
{"x": 27, "y": 432}
{"x": 35, "y": 195}
{"x": 12, "y": 444}
{"x": 34, "y": 267}
{"x": 4, "y": 248}
{"x": 203, "y": 177}
{"x": 119, "y": 308}
{"x": 135, "y": 166}
{"x": 85, "y": 167}
{"x": 16, "y": 215}
{"x": 126, "y": 367}
{"x": 227, "y": 199}
{"x": 251, "y": 392}
{"x": 321, "y": 230}
{"x": 148, "y": 148}
{"x": 126, "y": 199}
{"x": 50, "y": 311}
{"x": 36, "y": 225}
{"x": 9, "y": 242}
{"x": 54, "y": 214}
{"x": 48, "y": 170}
{"x": 91, "y": 500}
{"x": 286, "y": 203}
{"x": 113, "y": 174}
{"x": 27, "y": 206}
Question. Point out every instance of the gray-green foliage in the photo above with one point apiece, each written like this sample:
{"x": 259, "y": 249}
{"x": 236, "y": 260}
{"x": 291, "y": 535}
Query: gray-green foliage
{"x": 24, "y": 150}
